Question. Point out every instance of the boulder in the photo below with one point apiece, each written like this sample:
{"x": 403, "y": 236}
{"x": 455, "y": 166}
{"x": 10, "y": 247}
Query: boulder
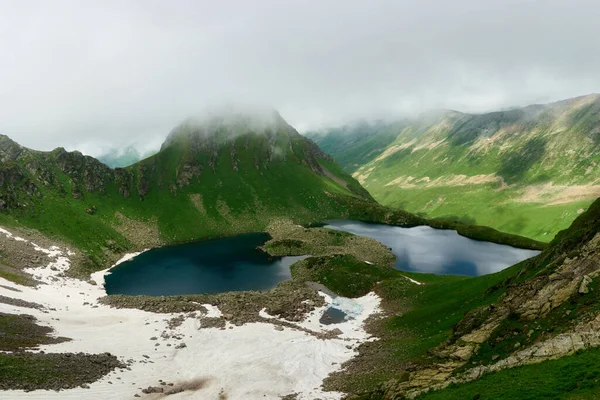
{"x": 583, "y": 287}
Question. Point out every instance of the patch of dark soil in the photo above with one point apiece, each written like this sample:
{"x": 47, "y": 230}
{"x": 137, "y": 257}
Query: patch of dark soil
{"x": 20, "y": 303}
{"x": 289, "y": 300}
{"x": 22, "y": 254}
{"x": 212, "y": 322}
{"x": 49, "y": 371}
{"x": 10, "y": 288}
{"x": 19, "y": 332}
{"x": 166, "y": 389}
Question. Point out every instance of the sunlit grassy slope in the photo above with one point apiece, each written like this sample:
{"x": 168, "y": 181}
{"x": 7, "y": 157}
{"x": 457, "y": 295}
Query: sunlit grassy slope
{"x": 527, "y": 171}
{"x": 420, "y": 319}
{"x": 209, "y": 179}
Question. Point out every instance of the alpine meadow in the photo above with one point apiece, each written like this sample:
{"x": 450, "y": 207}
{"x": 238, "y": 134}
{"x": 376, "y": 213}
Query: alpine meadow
{"x": 335, "y": 200}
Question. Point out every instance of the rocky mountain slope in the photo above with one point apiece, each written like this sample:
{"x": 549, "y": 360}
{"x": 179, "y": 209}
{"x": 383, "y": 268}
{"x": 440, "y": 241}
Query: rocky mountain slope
{"x": 223, "y": 174}
{"x": 528, "y": 171}
{"x": 548, "y": 309}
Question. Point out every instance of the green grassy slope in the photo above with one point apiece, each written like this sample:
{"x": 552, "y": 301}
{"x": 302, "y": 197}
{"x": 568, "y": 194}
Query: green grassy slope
{"x": 420, "y": 317}
{"x": 423, "y": 321}
{"x": 528, "y": 171}
{"x": 575, "y": 377}
{"x": 355, "y": 145}
{"x": 211, "y": 178}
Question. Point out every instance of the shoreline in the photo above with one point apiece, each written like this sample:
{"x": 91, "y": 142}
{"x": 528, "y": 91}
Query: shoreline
{"x": 254, "y": 360}
{"x": 98, "y": 277}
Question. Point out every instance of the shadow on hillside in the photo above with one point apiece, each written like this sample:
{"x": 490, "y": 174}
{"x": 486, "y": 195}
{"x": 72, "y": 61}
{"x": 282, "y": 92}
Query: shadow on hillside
{"x": 515, "y": 165}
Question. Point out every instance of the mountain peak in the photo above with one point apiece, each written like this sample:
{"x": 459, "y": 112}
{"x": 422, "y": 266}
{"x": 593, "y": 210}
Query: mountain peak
{"x": 9, "y": 149}
{"x": 228, "y": 121}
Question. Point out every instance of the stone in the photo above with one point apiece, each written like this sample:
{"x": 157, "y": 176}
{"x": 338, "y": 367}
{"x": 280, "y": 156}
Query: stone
{"x": 464, "y": 352}
{"x": 336, "y": 332}
{"x": 583, "y": 287}
{"x": 153, "y": 389}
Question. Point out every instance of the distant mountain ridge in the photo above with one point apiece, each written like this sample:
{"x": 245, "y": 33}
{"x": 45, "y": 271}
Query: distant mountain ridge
{"x": 527, "y": 171}
{"x": 204, "y": 182}
{"x": 121, "y": 158}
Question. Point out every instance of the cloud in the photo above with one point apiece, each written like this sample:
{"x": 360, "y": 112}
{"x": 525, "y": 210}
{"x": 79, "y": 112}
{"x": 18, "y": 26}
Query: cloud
{"x": 98, "y": 74}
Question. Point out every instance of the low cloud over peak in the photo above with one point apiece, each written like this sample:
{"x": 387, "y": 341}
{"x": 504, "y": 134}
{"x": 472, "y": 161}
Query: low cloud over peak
{"x": 90, "y": 75}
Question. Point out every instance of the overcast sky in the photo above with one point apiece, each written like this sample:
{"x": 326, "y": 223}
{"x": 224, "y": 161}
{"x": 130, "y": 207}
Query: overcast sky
{"x": 88, "y": 74}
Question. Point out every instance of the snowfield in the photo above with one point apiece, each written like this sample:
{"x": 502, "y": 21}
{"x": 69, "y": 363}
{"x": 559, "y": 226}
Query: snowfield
{"x": 252, "y": 361}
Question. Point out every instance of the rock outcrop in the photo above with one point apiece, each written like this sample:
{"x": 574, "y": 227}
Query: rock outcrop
{"x": 547, "y": 311}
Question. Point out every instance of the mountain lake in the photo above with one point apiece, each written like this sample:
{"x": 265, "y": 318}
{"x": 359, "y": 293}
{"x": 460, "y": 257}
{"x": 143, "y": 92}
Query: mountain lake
{"x": 235, "y": 264}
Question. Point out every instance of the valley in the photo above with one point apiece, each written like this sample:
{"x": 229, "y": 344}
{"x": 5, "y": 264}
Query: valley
{"x": 296, "y": 200}
{"x": 395, "y": 304}
{"x": 529, "y": 171}
{"x": 288, "y": 313}
{"x": 211, "y": 178}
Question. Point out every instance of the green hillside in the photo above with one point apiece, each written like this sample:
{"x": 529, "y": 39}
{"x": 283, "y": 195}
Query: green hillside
{"x": 355, "y": 145}
{"x": 527, "y": 332}
{"x": 528, "y": 171}
{"x": 218, "y": 176}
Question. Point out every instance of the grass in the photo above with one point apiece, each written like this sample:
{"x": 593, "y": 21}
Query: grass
{"x": 27, "y": 371}
{"x": 422, "y": 165}
{"x": 440, "y": 304}
{"x": 355, "y": 145}
{"x": 372, "y": 212}
{"x": 16, "y": 278}
{"x": 569, "y": 378}
{"x": 343, "y": 274}
{"x": 289, "y": 239}
{"x": 21, "y": 331}
{"x": 481, "y": 205}
{"x": 420, "y": 317}
{"x": 243, "y": 186}
{"x": 515, "y": 333}
{"x": 423, "y": 317}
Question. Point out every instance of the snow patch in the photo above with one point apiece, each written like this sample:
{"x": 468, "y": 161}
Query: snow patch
{"x": 412, "y": 280}
{"x": 212, "y": 311}
{"x": 252, "y": 361}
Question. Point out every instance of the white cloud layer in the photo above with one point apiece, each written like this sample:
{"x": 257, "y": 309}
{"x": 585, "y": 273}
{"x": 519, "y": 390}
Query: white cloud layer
{"x": 92, "y": 74}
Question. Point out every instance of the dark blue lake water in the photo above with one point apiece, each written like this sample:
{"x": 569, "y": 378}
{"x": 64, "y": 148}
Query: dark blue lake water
{"x": 208, "y": 266}
{"x": 235, "y": 264}
{"x": 437, "y": 251}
